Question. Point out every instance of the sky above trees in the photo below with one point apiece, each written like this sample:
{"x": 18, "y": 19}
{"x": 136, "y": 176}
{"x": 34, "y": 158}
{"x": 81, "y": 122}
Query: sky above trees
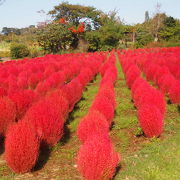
{"x": 22, "y": 13}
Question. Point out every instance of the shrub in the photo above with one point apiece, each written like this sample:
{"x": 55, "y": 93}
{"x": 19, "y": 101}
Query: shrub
{"x": 35, "y": 51}
{"x": 85, "y": 76}
{"x": 104, "y": 106}
{"x": 151, "y": 120}
{"x": 131, "y": 75}
{"x": 7, "y": 114}
{"x": 109, "y": 93}
{"x": 19, "y": 51}
{"x": 23, "y": 100}
{"x": 165, "y": 82}
{"x": 34, "y": 79}
{"x": 137, "y": 83}
{"x": 162, "y": 71}
{"x": 4, "y": 54}
{"x": 153, "y": 97}
{"x": 3, "y": 92}
{"x": 42, "y": 88}
{"x": 174, "y": 93}
{"x": 21, "y": 147}
{"x": 97, "y": 159}
{"x": 47, "y": 121}
{"x": 58, "y": 99}
{"x": 93, "y": 123}
{"x": 150, "y": 71}
{"x": 74, "y": 92}
{"x": 143, "y": 87}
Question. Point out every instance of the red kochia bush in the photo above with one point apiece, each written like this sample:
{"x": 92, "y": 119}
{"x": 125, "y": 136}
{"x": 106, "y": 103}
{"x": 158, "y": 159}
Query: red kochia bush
{"x": 42, "y": 88}
{"x": 150, "y": 71}
{"x": 47, "y": 120}
{"x": 93, "y": 123}
{"x": 7, "y": 114}
{"x": 174, "y": 93}
{"x": 58, "y": 98}
{"x": 165, "y": 82}
{"x": 137, "y": 83}
{"x": 74, "y": 91}
{"x": 151, "y": 120}
{"x": 23, "y": 100}
{"x": 139, "y": 91}
{"x": 97, "y": 159}
{"x": 3, "y": 92}
{"x": 21, "y": 147}
{"x": 109, "y": 93}
{"x": 104, "y": 106}
{"x": 34, "y": 79}
{"x": 85, "y": 76}
{"x": 131, "y": 75}
{"x": 153, "y": 97}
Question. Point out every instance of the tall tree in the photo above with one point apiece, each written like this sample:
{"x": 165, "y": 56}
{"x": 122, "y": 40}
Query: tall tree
{"x": 146, "y": 16}
{"x": 157, "y": 21}
{"x": 76, "y": 13}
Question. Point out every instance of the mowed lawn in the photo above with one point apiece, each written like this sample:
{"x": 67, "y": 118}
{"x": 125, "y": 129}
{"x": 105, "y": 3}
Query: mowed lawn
{"x": 141, "y": 158}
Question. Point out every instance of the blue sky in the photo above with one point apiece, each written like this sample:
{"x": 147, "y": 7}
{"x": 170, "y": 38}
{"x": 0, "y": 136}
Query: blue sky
{"x": 22, "y": 13}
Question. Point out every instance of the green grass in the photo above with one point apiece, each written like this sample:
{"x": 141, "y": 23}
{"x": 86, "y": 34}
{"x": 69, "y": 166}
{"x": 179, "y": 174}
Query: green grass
{"x": 84, "y": 104}
{"x": 143, "y": 158}
{"x": 158, "y": 160}
{"x": 4, "y": 46}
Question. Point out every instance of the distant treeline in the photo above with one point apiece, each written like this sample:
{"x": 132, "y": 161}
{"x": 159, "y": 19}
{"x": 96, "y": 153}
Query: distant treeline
{"x": 98, "y": 31}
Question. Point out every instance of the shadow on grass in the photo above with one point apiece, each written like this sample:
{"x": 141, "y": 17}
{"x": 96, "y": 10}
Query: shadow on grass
{"x": 71, "y": 115}
{"x": 169, "y": 101}
{"x": 118, "y": 168}
{"x": 66, "y": 136}
{"x": 178, "y": 108}
{"x": 43, "y": 157}
{"x": 1, "y": 145}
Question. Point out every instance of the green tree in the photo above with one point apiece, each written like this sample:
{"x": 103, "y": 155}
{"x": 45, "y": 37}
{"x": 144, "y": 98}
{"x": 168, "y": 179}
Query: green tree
{"x": 108, "y": 35}
{"x": 55, "y": 37}
{"x": 146, "y": 16}
{"x": 170, "y": 30}
{"x": 74, "y": 14}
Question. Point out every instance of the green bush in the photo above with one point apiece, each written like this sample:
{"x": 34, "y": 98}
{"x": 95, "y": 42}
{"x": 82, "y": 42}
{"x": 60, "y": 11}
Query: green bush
{"x": 18, "y": 51}
{"x": 4, "y": 54}
{"x": 35, "y": 51}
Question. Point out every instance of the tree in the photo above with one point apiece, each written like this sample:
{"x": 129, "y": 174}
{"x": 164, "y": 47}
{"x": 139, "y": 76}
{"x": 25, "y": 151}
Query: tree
{"x": 157, "y": 22}
{"x": 146, "y": 16}
{"x": 108, "y": 35}
{"x": 55, "y": 37}
{"x": 74, "y": 14}
{"x": 6, "y": 31}
{"x": 169, "y": 22}
{"x": 170, "y": 30}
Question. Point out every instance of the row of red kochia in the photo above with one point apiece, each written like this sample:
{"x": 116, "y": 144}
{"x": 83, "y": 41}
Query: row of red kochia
{"x": 149, "y": 101}
{"x": 42, "y": 120}
{"x": 97, "y": 159}
{"x": 162, "y": 66}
